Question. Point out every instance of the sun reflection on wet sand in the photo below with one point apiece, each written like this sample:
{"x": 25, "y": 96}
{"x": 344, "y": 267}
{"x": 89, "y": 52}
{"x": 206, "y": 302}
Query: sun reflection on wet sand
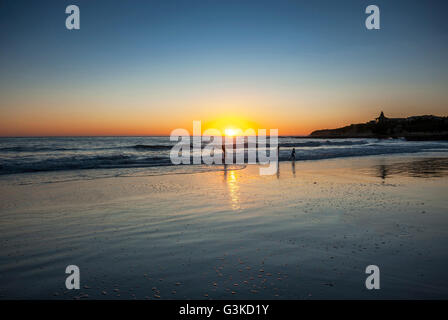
{"x": 231, "y": 179}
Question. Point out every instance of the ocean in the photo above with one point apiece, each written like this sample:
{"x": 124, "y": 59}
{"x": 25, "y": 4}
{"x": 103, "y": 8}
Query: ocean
{"x": 94, "y": 157}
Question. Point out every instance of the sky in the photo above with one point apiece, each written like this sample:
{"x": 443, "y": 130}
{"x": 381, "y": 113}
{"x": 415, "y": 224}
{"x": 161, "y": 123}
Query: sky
{"x": 149, "y": 67}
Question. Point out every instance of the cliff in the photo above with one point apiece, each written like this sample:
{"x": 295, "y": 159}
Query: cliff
{"x": 427, "y": 127}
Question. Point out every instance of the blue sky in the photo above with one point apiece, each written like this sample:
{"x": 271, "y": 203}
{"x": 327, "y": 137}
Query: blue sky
{"x": 176, "y": 61}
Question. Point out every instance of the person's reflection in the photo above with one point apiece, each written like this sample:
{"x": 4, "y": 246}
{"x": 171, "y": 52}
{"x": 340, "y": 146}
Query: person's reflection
{"x": 293, "y": 168}
{"x": 383, "y": 172}
{"x": 278, "y": 169}
{"x": 421, "y": 168}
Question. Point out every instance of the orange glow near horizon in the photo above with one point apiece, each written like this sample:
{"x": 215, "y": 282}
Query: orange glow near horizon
{"x": 34, "y": 125}
{"x": 113, "y": 121}
{"x": 115, "y": 111}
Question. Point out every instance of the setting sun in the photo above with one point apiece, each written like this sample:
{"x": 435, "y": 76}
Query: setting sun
{"x": 232, "y": 126}
{"x": 230, "y": 132}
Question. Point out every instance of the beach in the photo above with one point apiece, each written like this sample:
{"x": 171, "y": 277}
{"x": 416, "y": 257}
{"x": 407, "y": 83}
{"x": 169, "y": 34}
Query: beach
{"x": 308, "y": 232}
{"x": 244, "y": 151}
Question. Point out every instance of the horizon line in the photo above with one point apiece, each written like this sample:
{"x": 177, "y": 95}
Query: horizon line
{"x": 130, "y": 136}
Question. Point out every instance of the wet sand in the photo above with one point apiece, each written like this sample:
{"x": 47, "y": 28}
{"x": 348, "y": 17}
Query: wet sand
{"x": 306, "y": 233}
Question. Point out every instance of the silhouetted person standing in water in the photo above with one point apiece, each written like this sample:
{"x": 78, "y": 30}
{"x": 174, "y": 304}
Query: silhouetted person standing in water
{"x": 223, "y": 147}
{"x": 293, "y": 154}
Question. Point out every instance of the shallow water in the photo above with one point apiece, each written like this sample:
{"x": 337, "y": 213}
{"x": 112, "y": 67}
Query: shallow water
{"x": 91, "y": 157}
